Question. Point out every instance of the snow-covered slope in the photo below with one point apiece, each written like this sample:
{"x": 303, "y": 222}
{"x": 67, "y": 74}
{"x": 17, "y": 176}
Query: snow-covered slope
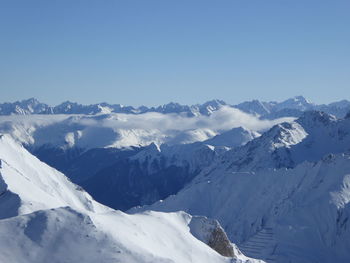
{"x": 28, "y": 185}
{"x": 284, "y": 196}
{"x": 309, "y": 138}
{"x": 44, "y": 217}
{"x": 305, "y": 209}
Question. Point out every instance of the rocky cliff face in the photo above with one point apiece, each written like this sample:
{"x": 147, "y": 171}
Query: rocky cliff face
{"x": 211, "y": 233}
{"x": 220, "y": 242}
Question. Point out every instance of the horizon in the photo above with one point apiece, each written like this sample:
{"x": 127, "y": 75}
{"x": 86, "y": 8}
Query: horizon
{"x": 170, "y": 102}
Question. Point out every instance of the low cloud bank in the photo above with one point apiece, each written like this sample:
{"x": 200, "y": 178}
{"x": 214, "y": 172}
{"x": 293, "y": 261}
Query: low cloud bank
{"x": 224, "y": 119}
{"x": 123, "y": 130}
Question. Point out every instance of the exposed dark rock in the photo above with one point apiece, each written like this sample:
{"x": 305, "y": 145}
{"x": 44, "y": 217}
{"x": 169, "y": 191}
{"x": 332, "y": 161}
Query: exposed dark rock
{"x": 220, "y": 242}
{"x": 211, "y": 233}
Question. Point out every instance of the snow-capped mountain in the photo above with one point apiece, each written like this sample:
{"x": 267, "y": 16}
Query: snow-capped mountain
{"x": 24, "y": 107}
{"x": 309, "y": 138}
{"x": 44, "y": 217}
{"x": 304, "y": 210}
{"x": 297, "y": 103}
{"x": 33, "y": 106}
{"x": 277, "y": 186}
{"x": 287, "y": 188}
{"x": 255, "y": 107}
{"x": 292, "y": 107}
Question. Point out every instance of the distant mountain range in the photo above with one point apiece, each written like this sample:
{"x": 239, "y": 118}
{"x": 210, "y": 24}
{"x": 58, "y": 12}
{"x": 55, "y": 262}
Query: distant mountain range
{"x": 292, "y": 107}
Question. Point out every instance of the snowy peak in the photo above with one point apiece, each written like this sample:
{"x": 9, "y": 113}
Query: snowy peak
{"x": 172, "y": 107}
{"x": 25, "y": 107}
{"x": 293, "y": 107}
{"x": 68, "y": 107}
{"x": 209, "y": 107}
{"x": 255, "y": 107}
{"x": 270, "y": 150}
{"x": 316, "y": 118}
{"x": 298, "y": 102}
{"x": 286, "y": 135}
{"x": 214, "y": 104}
{"x": 309, "y": 138}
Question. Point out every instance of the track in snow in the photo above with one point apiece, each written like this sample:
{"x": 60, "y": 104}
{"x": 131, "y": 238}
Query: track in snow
{"x": 262, "y": 245}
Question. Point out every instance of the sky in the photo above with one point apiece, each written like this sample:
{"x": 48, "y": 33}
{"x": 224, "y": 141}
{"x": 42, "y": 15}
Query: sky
{"x": 151, "y": 52}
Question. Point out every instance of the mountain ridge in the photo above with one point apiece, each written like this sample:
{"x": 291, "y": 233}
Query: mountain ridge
{"x": 264, "y": 109}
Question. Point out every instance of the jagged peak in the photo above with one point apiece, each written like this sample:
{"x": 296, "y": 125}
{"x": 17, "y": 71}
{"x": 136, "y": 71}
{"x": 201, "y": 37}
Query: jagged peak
{"x": 214, "y": 102}
{"x": 172, "y": 106}
{"x": 31, "y": 101}
{"x": 67, "y": 102}
{"x": 301, "y": 98}
{"x": 153, "y": 147}
{"x": 256, "y": 107}
{"x": 283, "y": 135}
{"x": 316, "y": 117}
{"x": 254, "y": 101}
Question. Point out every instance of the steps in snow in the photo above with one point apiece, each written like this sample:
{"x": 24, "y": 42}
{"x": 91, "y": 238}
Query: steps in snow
{"x": 261, "y": 245}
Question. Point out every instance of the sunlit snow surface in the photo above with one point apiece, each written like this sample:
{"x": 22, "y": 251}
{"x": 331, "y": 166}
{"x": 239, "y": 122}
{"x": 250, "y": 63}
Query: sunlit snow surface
{"x": 46, "y": 218}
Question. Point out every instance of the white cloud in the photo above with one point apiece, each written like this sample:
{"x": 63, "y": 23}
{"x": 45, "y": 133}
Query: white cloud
{"x": 120, "y": 130}
{"x": 224, "y": 119}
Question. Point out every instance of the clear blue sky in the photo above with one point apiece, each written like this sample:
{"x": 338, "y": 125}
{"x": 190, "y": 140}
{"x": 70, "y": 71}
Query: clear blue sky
{"x": 155, "y": 51}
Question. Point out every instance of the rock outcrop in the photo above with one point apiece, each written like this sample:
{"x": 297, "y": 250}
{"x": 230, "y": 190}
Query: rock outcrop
{"x": 211, "y": 233}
